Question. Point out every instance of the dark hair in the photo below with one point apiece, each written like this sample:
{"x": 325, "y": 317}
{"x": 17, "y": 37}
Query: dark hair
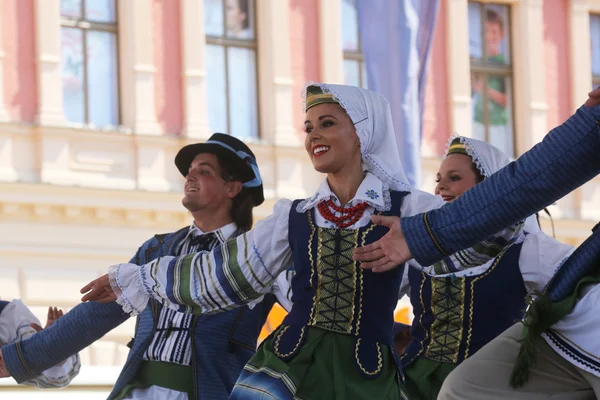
{"x": 537, "y": 217}
{"x": 493, "y": 17}
{"x": 242, "y": 204}
{"x": 478, "y": 176}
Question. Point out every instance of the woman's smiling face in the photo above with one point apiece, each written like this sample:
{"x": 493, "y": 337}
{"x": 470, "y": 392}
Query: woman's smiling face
{"x": 331, "y": 141}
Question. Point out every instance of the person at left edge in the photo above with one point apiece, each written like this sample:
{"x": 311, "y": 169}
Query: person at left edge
{"x": 176, "y": 356}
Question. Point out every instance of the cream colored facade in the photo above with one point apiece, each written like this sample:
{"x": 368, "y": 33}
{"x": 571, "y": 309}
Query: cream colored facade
{"x": 74, "y": 200}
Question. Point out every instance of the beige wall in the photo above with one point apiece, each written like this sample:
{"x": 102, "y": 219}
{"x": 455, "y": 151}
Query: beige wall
{"x": 75, "y": 200}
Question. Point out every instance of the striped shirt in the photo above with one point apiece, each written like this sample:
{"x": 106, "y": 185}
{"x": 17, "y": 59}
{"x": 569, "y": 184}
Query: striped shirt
{"x": 172, "y": 341}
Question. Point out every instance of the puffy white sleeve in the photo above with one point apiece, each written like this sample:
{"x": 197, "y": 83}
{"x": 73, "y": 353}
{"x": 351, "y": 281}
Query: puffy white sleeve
{"x": 233, "y": 274}
{"x": 540, "y": 258}
{"x": 15, "y": 325}
{"x": 282, "y": 288}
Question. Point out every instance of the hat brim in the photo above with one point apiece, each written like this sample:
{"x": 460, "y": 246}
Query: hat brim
{"x": 244, "y": 172}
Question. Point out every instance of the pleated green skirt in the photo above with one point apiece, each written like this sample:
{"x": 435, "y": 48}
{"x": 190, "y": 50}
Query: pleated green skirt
{"x": 324, "y": 369}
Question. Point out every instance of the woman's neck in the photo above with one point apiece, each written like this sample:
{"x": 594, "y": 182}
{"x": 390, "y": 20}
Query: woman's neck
{"x": 345, "y": 185}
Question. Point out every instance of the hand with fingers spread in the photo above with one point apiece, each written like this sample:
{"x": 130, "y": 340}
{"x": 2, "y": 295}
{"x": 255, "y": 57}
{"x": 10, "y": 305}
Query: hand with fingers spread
{"x": 388, "y": 252}
{"x": 99, "y": 290}
{"x": 54, "y": 313}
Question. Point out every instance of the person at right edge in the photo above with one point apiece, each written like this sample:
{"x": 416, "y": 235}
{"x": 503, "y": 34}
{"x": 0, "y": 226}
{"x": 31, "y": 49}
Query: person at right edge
{"x": 554, "y": 353}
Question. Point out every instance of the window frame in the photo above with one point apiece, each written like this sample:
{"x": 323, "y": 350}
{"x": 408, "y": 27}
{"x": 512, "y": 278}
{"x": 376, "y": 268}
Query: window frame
{"x": 86, "y": 25}
{"x": 356, "y": 55}
{"x": 486, "y": 68}
{"x": 227, "y": 42}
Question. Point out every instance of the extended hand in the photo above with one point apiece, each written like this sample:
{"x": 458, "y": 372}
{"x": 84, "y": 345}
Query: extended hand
{"x": 53, "y": 314}
{"x": 388, "y": 252}
{"x": 99, "y": 290}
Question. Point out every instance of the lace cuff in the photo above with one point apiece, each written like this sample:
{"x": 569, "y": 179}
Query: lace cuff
{"x": 126, "y": 282}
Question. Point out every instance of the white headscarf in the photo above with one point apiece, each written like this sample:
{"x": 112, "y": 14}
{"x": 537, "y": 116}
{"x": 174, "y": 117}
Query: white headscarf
{"x": 489, "y": 160}
{"x": 372, "y": 118}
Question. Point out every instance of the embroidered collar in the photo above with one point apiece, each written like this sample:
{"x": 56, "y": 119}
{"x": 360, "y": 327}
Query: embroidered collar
{"x": 223, "y": 233}
{"x": 371, "y": 191}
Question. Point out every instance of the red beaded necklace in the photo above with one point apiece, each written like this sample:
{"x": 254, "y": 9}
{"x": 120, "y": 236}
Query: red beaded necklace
{"x": 349, "y": 215}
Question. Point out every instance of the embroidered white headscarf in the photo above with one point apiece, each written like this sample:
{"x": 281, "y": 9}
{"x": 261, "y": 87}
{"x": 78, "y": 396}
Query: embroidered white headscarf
{"x": 489, "y": 160}
{"x": 372, "y": 118}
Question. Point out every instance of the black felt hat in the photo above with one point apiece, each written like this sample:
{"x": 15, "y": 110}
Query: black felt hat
{"x": 239, "y": 158}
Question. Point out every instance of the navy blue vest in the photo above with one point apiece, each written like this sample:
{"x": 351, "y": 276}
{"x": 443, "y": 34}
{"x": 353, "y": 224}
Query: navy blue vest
{"x": 332, "y": 292}
{"x": 455, "y": 316}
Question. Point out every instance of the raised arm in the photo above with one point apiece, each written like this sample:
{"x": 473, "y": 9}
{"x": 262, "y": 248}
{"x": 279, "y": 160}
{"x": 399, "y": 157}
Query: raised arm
{"x": 73, "y": 332}
{"x": 18, "y": 324}
{"x": 233, "y": 274}
{"x": 568, "y": 157}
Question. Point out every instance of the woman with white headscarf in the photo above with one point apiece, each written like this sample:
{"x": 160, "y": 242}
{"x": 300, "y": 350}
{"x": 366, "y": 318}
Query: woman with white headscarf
{"x": 336, "y": 343}
{"x": 460, "y": 307}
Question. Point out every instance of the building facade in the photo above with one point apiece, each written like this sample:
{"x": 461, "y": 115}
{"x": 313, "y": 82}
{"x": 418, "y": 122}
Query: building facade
{"x": 97, "y": 96}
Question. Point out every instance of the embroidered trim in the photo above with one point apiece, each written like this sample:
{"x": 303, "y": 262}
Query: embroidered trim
{"x": 426, "y": 338}
{"x": 471, "y": 305}
{"x": 311, "y": 260}
{"x": 22, "y": 359}
{"x": 447, "y": 307}
{"x": 373, "y": 195}
{"x": 363, "y": 239}
{"x": 306, "y": 204}
{"x": 278, "y": 339}
{"x": 273, "y": 374}
{"x": 336, "y": 272}
{"x": 435, "y": 242}
{"x": 379, "y": 359}
{"x": 472, "y": 152}
{"x": 561, "y": 343}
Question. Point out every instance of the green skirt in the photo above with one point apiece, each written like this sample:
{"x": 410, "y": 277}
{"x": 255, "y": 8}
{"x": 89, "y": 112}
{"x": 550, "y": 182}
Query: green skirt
{"x": 424, "y": 378}
{"x": 324, "y": 369}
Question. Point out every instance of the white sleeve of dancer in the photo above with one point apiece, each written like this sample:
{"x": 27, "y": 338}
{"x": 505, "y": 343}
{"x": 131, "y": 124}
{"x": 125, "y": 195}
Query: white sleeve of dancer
{"x": 233, "y": 274}
{"x": 15, "y": 325}
{"x": 541, "y": 256}
{"x": 282, "y": 288}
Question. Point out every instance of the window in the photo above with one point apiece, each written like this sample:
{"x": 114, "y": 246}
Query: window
{"x": 595, "y": 43}
{"x": 231, "y": 73}
{"x": 491, "y": 75}
{"x": 89, "y": 63}
{"x": 355, "y": 71}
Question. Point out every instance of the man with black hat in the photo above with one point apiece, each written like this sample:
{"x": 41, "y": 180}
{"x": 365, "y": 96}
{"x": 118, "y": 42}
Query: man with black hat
{"x": 173, "y": 355}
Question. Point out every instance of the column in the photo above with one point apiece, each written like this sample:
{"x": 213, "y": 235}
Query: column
{"x": 331, "y": 54}
{"x": 47, "y": 15}
{"x": 275, "y": 73}
{"x": 194, "y": 75}
{"x": 459, "y": 81}
{"x": 137, "y": 67}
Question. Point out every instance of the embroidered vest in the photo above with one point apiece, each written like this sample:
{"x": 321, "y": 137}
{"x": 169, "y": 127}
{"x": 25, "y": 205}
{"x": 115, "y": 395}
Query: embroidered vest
{"x": 332, "y": 292}
{"x": 456, "y": 316}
